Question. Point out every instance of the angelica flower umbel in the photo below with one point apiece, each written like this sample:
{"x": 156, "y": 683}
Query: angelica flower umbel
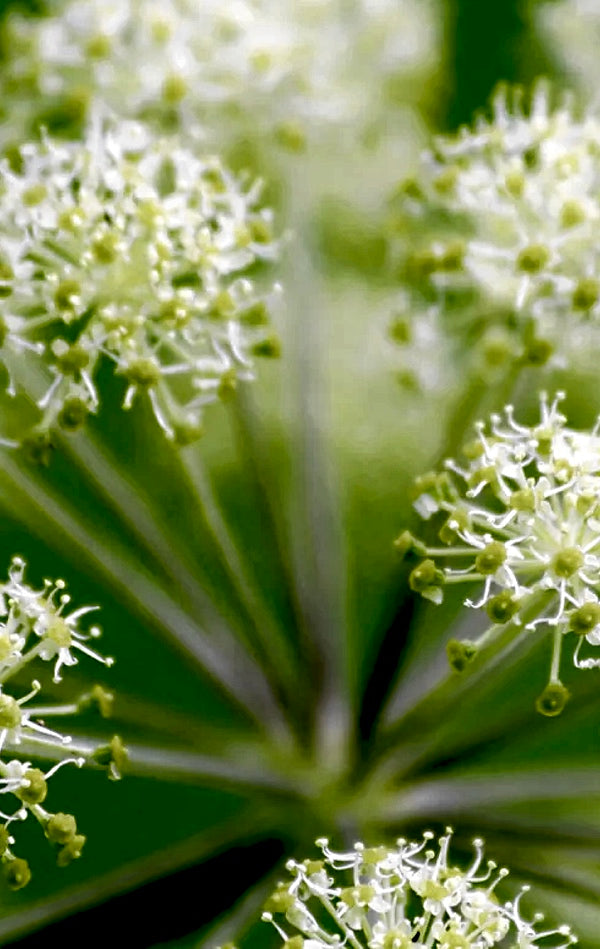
{"x": 403, "y": 896}
{"x": 274, "y": 68}
{"x": 131, "y": 249}
{"x": 505, "y": 217}
{"x": 520, "y": 517}
{"x": 36, "y": 627}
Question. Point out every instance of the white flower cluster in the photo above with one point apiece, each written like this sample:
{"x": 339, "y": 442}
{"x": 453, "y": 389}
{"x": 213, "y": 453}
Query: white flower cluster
{"x": 274, "y": 66}
{"x": 519, "y": 251}
{"x": 132, "y": 249}
{"x": 522, "y": 517}
{"x": 34, "y": 625}
{"x": 401, "y": 897}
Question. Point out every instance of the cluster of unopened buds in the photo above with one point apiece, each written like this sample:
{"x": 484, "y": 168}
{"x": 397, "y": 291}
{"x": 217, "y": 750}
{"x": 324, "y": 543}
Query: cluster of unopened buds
{"x": 130, "y": 249}
{"x": 520, "y": 516}
{"x": 36, "y": 628}
{"x": 400, "y": 897}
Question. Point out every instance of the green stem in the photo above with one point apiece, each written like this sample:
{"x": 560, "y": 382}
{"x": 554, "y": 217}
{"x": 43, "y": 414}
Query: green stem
{"x": 275, "y": 647}
{"x": 431, "y": 708}
{"x": 242, "y": 680}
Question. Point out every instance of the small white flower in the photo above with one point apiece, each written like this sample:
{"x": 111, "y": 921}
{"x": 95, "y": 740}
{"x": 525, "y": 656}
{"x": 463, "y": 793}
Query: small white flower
{"x": 134, "y": 250}
{"x": 521, "y": 516}
{"x": 264, "y": 67}
{"x": 401, "y": 897}
{"x": 516, "y": 264}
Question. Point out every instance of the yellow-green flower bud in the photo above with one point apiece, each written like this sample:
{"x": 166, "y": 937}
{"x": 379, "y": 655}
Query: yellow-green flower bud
{"x": 36, "y": 790}
{"x": 424, "y": 576}
{"x": 71, "y": 851}
{"x": 584, "y": 619}
{"x": 60, "y": 828}
{"x": 533, "y": 258}
{"x": 16, "y": 873}
{"x": 460, "y": 653}
{"x": 113, "y": 756}
{"x": 567, "y": 562}
{"x": 586, "y": 293}
{"x": 491, "y": 558}
{"x": 502, "y": 607}
{"x": 553, "y": 699}
{"x": 73, "y": 414}
{"x": 10, "y": 712}
{"x": 38, "y": 448}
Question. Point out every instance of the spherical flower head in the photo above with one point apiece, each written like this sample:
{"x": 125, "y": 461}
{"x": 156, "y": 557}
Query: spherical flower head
{"x": 520, "y": 198}
{"x": 520, "y": 517}
{"x": 131, "y": 249}
{"x": 256, "y": 66}
{"x": 400, "y": 897}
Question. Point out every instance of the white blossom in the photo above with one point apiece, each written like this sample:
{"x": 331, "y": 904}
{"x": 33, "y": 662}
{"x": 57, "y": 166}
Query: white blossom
{"x": 516, "y": 259}
{"x": 275, "y": 67}
{"x": 131, "y": 249}
{"x": 400, "y": 897}
{"x": 521, "y": 517}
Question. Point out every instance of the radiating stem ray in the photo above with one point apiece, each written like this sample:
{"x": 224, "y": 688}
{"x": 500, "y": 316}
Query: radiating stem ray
{"x": 457, "y": 795}
{"x": 275, "y": 647}
{"x": 315, "y": 531}
{"x": 247, "y": 771}
{"x": 118, "y": 494}
{"x": 244, "y": 416}
{"x": 226, "y": 661}
{"x": 451, "y": 686}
